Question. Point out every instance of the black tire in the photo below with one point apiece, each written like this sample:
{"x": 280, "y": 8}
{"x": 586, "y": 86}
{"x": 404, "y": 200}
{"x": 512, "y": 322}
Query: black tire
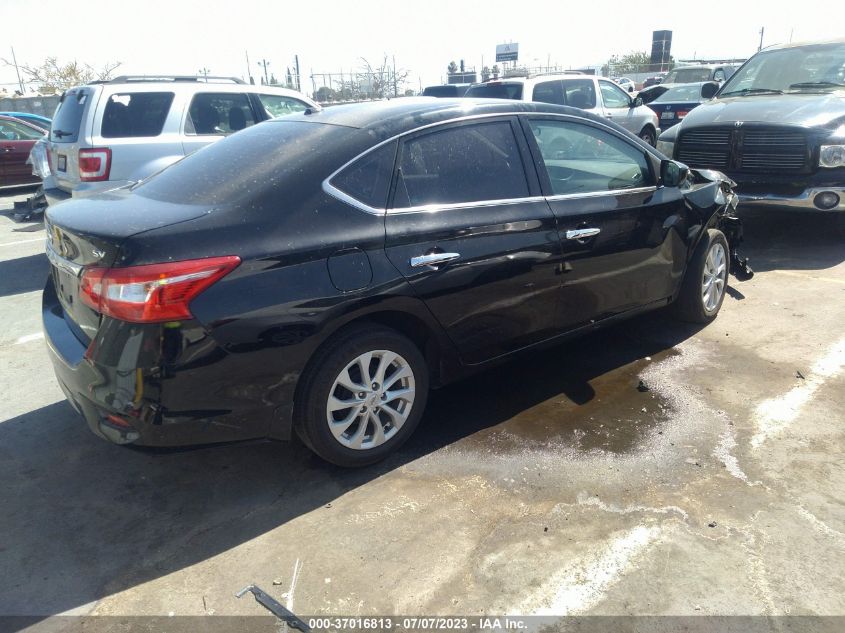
{"x": 690, "y": 304}
{"x": 649, "y": 136}
{"x": 311, "y": 415}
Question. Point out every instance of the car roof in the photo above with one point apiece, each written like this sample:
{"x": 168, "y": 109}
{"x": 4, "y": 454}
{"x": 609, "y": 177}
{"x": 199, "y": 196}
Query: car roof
{"x": 539, "y": 78}
{"x": 191, "y": 87}
{"x": 6, "y": 117}
{"x": 384, "y": 119}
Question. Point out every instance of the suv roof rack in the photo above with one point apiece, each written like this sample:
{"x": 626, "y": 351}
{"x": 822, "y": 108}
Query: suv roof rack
{"x": 195, "y": 78}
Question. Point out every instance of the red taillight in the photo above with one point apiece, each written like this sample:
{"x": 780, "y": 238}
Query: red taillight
{"x": 682, "y": 114}
{"x": 94, "y": 164}
{"x": 152, "y": 293}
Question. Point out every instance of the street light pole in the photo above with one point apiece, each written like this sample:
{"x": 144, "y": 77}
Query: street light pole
{"x": 204, "y": 72}
{"x": 265, "y": 63}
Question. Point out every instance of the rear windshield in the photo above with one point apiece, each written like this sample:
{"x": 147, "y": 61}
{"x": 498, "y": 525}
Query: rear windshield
{"x": 495, "y": 91}
{"x": 681, "y": 93}
{"x": 687, "y": 75}
{"x": 69, "y": 115}
{"x": 247, "y": 165}
{"x": 442, "y": 91}
{"x": 136, "y": 114}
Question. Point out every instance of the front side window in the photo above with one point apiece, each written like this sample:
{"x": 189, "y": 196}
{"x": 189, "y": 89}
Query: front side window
{"x": 135, "y": 114}
{"x": 218, "y": 113}
{"x": 580, "y": 93}
{"x": 368, "y": 178}
{"x": 470, "y": 163}
{"x": 278, "y": 105}
{"x": 14, "y": 131}
{"x": 583, "y": 159}
{"x": 613, "y": 96}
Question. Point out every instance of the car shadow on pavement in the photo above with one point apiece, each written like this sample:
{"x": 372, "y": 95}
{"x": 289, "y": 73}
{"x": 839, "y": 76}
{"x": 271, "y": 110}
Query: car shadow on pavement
{"x": 23, "y": 274}
{"x": 777, "y": 239}
{"x": 83, "y": 519}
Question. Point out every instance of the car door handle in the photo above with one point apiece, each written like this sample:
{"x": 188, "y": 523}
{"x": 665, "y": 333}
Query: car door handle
{"x": 581, "y": 234}
{"x": 433, "y": 259}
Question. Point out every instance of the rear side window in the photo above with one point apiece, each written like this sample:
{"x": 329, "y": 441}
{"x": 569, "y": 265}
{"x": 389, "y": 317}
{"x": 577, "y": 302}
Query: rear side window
{"x": 580, "y": 93}
{"x": 135, "y": 114}
{"x": 277, "y": 105}
{"x": 368, "y": 179}
{"x": 471, "y": 163}
{"x": 218, "y": 113}
{"x": 69, "y": 115}
{"x": 495, "y": 91}
{"x": 548, "y": 92}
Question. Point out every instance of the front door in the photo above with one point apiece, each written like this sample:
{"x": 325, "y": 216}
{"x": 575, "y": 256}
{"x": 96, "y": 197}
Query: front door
{"x": 621, "y": 236}
{"x": 470, "y": 232}
{"x": 617, "y": 106}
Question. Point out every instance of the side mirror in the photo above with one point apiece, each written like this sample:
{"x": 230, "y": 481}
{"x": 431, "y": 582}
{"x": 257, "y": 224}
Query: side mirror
{"x": 637, "y": 102}
{"x": 709, "y": 89}
{"x": 672, "y": 173}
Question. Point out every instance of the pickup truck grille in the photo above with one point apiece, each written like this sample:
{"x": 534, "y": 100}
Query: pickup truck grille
{"x": 752, "y": 149}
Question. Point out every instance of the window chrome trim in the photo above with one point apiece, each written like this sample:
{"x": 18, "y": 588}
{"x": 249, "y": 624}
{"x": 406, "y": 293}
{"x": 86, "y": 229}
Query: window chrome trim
{"x": 596, "y": 194}
{"x": 333, "y": 191}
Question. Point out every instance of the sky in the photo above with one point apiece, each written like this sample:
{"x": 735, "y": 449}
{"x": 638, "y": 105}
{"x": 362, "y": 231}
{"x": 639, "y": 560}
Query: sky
{"x": 184, "y": 36}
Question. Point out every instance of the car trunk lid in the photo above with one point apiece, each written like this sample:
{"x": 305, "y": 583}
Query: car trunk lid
{"x": 67, "y": 135}
{"x": 88, "y": 233}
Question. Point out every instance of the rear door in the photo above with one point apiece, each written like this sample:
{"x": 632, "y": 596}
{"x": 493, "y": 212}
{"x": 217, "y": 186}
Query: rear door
{"x": 470, "y": 232}
{"x": 621, "y": 237}
{"x": 71, "y": 128}
{"x": 617, "y": 106}
{"x": 16, "y": 141}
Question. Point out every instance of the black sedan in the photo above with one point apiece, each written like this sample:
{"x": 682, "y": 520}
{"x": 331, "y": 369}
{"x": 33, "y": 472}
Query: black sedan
{"x": 673, "y": 105}
{"x": 319, "y": 273}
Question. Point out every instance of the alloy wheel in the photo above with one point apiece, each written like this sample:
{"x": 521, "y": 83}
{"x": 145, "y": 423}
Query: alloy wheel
{"x": 714, "y": 278}
{"x": 370, "y": 399}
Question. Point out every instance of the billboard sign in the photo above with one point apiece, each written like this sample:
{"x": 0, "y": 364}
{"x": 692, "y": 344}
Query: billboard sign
{"x": 507, "y": 52}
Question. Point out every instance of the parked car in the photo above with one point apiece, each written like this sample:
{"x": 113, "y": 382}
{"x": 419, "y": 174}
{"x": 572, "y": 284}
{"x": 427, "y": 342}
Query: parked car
{"x": 113, "y": 134}
{"x": 677, "y": 102}
{"x": 445, "y": 90}
{"x": 653, "y": 81}
{"x": 686, "y": 75}
{"x": 596, "y": 95}
{"x": 626, "y": 84}
{"x": 319, "y": 272}
{"x": 776, "y": 127}
{"x": 33, "y": 119}
{"x": 16, "y": 140}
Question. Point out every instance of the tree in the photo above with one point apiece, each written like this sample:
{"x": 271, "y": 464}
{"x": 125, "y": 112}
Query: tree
{"x": 452, "y": 68}
{"x": 495, "y": 70}
{"x": 324, "y": 94}
{"x": 384, "y": 80}
{"x": 52, "y": 76}
{"x": 485, "y": 73}
{"x": 634, "y": 62}
{"x": 273, "y": 80}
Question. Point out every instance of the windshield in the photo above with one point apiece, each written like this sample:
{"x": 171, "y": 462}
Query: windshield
{"x": 799, "y": 69}
{"x": 687, "y": 75}
{"x": 691, "y": 92}
{"x": 495, "y": 91}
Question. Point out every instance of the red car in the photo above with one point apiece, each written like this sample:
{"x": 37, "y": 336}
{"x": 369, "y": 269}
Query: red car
{"x": 16, "y": 140}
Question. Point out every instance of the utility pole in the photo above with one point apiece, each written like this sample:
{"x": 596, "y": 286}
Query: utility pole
{"x": 265, "y": 63}
{"x": 15, "y": 61}
{"x": 395, "y": 91}
{"x": 762, "y": 29}
{"x": 298, "y": 84}
{"x": 248, "y": 71}
{"x": 204, "y": 72}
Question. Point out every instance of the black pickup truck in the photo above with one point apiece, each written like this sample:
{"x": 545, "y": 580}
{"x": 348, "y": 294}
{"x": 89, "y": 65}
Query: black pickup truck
{"x": 776, "y": 127}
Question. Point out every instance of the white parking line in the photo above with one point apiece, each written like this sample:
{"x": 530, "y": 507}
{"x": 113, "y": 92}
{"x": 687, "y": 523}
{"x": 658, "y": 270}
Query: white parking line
{"x": 832, "y": 280}
{"x": 774, "y": 415}
{"x": 29, "y": 338}
{"x": 37, "y": 239}
{"x": 583, "y": 583}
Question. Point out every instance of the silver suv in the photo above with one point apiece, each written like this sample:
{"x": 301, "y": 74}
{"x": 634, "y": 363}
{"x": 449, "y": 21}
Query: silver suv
{"x": 110, "y": 134}
{"x": 593, "y": 94}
